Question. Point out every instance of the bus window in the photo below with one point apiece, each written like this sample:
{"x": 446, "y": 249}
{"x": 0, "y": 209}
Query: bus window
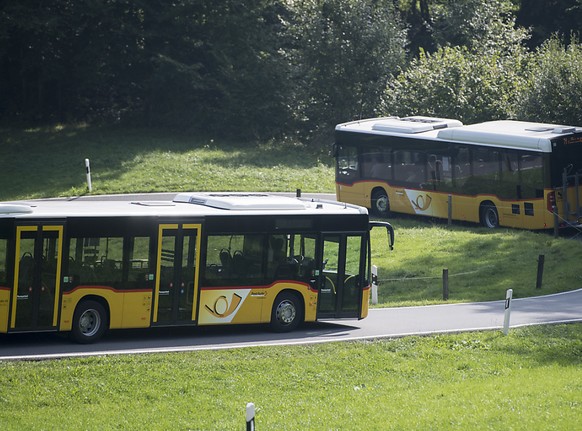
{"x": 233, "y": 260}
{"x": 347, "y": 162}
{"x": 3, "y": 262}
{"x": 462, "y": 167}
{"x": 376, "y": 163}
{"x": 297, "y": 260}
{"x": 532, "y": 176}
{"x": 509, "y": 184}
{"x": 440, "y": 171}
{"x": 96, "y": 261}
{"x": 139, "y": 261}
{"x": 485, "y": 171}
{"x": 409, "y": 166}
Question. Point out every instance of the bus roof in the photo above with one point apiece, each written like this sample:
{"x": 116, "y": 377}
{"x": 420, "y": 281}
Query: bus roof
{"x": 182, "y": 205}
{"x": 520, "y": 135}
{"x": 397, "y": 125}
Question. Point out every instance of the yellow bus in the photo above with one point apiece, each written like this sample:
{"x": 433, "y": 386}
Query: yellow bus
{"x": 88, "y": 265}
{"x": 497, "y": 173}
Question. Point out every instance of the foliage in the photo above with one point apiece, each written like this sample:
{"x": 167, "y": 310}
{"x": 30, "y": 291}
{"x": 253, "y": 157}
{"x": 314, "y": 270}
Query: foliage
{"x": 271, "y": 68}
{"x": 487, "y": 27}
{"x": 477, "y": 80}
{"x": 457, "y": 83}
{"x": 529, "y": 379}
{"x": 345, "y": 53}
{"x": 553, "y": 92}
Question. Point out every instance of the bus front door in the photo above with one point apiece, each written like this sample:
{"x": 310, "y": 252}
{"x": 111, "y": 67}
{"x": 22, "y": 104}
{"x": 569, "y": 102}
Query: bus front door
{"x": 176, "y": 287}
{"x": 37, "y": 274}
{"x": 340, "y": 282}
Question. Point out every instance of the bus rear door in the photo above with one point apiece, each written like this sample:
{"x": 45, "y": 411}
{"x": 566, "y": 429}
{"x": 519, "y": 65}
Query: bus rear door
{"x": 37, "y": 274}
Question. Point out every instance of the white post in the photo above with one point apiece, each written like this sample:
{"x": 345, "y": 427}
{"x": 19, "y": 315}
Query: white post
{"x": 250, "y": 417}
{"x": 374, "y": 284}
{"x": 88, "y": 169}
{"x": 508, "y": 297}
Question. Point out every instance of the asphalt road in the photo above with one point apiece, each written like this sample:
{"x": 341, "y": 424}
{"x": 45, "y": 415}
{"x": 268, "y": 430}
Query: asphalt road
{"x": 381, "y": 323}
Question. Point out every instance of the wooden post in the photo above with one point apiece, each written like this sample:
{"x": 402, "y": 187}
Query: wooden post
{"x": 541, "y": 259}
{"x": 556, "y": 221}
{"x": 445, "y": 284}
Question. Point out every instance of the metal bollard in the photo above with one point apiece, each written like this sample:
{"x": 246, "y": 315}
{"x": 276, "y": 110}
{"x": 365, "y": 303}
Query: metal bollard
{"x": 88, "y": 170}
{"x": 250, "y": 417}
{"x": 508, "y": 297}
{"x": 374, "y": 284}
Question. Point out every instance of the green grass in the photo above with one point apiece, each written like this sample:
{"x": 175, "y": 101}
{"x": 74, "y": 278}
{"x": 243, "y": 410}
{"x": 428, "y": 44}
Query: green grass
{"x": 482, "y": 264}
{"x": 48, "y": 162}
{"x": 528, "y": 380}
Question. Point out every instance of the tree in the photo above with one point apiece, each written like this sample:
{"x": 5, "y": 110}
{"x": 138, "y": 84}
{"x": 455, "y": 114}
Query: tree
{"x": 478, "y": 81}
{"x": 344, "y": 53}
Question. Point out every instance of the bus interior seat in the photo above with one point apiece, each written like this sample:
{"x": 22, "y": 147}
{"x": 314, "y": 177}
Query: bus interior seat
{"x": 225, "y": 260}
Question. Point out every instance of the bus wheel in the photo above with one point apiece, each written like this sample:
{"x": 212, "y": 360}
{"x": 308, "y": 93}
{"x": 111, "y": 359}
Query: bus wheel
{"x": 89, "y": 322}
{"x": 287, "y": 312}
{"x": 489, "y": 216}
{"x": 380, "y": 204}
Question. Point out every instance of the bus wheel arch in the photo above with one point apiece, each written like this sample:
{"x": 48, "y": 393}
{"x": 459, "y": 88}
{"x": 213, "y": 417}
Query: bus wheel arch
{"x": 90, "y": 320}
{"x": 488, "y": 215}
{"x": 288, "y": 311}
{"x": 380, "y": 203}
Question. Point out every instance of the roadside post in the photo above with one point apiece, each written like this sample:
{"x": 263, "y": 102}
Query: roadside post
{"x": 445, "y": 284}
{"x": 374, "y": 285}
{"x": 508, "y": 296}
{"x": 88, "y": 170}
{"x": 250, "y": 417}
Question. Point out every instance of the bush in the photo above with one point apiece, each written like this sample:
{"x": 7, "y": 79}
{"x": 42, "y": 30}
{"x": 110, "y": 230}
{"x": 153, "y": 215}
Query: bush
{"x": 554, "y": 89}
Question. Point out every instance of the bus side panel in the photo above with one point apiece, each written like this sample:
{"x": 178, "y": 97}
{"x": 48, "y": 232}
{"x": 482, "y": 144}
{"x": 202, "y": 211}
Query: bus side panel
{"x": 130, "y": 309}
{"x": 251, "y": 304}
{"x": 137, "y": 309}
{"x": 4, "y": 302}
{"x": 365, "y": 303}
{"x": 357, "y": 193}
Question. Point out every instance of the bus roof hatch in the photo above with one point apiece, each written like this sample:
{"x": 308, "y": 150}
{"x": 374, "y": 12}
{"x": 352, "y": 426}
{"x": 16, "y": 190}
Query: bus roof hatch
{"x": 241, "y": 201}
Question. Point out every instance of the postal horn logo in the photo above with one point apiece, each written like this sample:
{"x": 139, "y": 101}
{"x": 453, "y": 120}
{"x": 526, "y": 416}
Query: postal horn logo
{"x": 222, "y": 308}
{"x": 421, "y": 203}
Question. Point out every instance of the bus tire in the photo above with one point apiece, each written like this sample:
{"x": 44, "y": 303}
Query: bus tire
{"x": 287, "y": 312}
{"x": 489, "y": 216}
{"x": 89, "y": 322}
{"x": 380, "y": 203}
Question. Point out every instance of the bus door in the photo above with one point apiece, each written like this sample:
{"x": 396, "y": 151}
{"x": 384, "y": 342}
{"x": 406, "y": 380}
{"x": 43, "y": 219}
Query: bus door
{"x": 341, "y": 276}
{"x": 37, "y": 274}
{"x": 176, "y": 287}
